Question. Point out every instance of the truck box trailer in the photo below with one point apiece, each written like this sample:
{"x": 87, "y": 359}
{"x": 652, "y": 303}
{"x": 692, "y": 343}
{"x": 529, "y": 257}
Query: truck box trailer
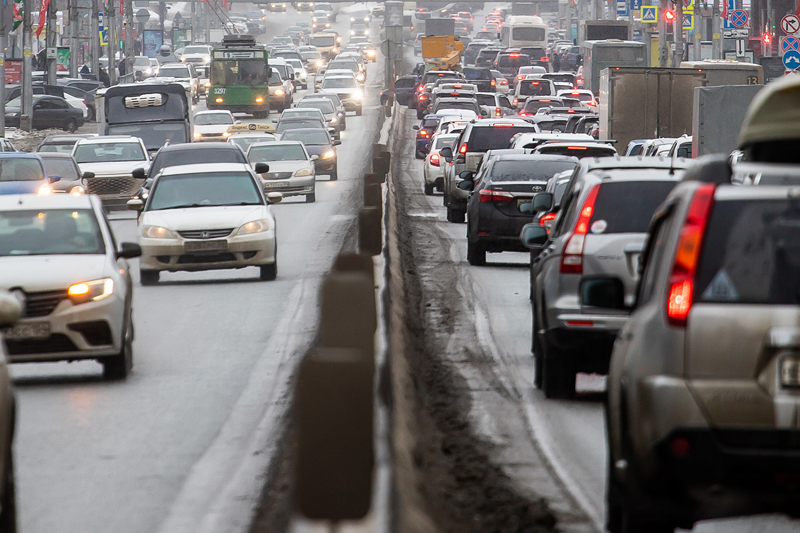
{"x": 717, "y": 117}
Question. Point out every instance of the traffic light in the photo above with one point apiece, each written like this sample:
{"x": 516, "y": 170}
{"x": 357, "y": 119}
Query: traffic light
{"x": 767, "y": 38}
{"x": 669, "y": 15}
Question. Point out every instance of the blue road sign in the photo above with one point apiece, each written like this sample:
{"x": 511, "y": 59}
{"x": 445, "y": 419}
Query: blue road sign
{"x": 649, "y": 14}
{"x": 739, "y": 18}
{"x": 789, "y": 43}
{"x": 726, "y": 22}
{"x": 636, "y": 5}
{"x": 622, "y": 8}
{"x": 791, "y": 59}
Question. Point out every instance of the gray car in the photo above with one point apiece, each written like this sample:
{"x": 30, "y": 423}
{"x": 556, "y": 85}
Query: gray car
{"x": 599, "y": 231}
{"x": 291, "y": 168}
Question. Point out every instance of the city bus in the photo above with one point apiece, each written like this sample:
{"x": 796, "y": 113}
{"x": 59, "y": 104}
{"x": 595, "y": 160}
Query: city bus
{"x": 597, "y": 55}
{"x": 239, "y": 76}
{"x": 519, "y": 30}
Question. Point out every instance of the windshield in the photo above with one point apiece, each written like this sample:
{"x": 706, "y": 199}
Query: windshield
{"x": 285, "y": 125}
{"x": 62, "y": 167}
{"x": 343, "y": 65}
{"x": 109, "y": 152}
{"x": 530, "y": 170}
{"x": 141, "y": 61}
{"x": 245, "y": 142}
{"x": 196, "y": 50}
{"x": 174, "y": 72}
{"x": 531, "y": 106}
{"x": 513, "y": 61}
{"x": 62, "y": 148}
{"x": 307, "y": 137}
{"x": 204, "y": 190}
{"x": 444, "y": 104}
{"x": 50, "y": 232}
{"x": 323, "y": 105}
{"x": 172, "y": 158}
{"x": 310, "y": 55}
{"x": 281, "y": 152}
{"x": 153, "y": 135}
{"x": 339, "y": 83}
{"x": 578, "y": 151}
{"x": 295, "y": 63}
{"x": 299, "y": 113}
{"x": 326, "y": 40}
{"x": 494, "y": 137}
{"x": 528, "y": 34}
{"x": 232, "y": 72}
{"x": 334, "y": 98}
{"x": 534, "y": 88}
{"x": 441, "y": 142}
{"x": 14, "y": 102}
{"x": 611, "y": 54}
{"x": 212, "y": 119}
{"x": 19, "y": 169}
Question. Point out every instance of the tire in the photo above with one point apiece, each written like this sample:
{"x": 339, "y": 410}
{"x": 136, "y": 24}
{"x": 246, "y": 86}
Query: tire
{"x": 71, "y": 125}
{"x": 476, "y": 253}
{"x": 117, "y": 367}
{"x": 429, "y": 189}
{"x": 311, "y": 198}
{"x": 8, "y": 515}
{"x": 148, "y": 277}
{"x": 334, "y": 175}
{"x": 558, "y": 377}
{"x": 456, "y": 216}
{"x": 269, "y": 272}
{"x": 92, "y": 116}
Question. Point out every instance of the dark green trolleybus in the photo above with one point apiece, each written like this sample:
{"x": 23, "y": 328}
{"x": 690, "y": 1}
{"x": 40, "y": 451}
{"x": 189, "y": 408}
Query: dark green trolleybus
{"x": 239, "y": 76}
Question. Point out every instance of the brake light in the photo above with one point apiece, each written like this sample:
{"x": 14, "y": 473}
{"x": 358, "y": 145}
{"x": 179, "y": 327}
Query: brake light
{"x": 494, "y": 83}
{"x": 490, "y": 195}
{"x": 503, "y": 82}
{"x": 502, "y": 124}
{"x": 681, "y": 280}
{"x": 421, "y": 88}
{"x": 592, "y": 103}
{"x": 577, "y": 148}
{"x": 549, "y": 217}
{"x": 435, "y": 160}
{"x": 545, "y": 100}
{"x": 514, "y": 55}
{"x": 458, "y": 86}
{"x": 516, "y": 101}
{"x": 543, "y": 58}
{"x": 463, "y": 148}
{"x": 497, "y": 112}
{"x": 520, "y": 77}
{"x": 421, "y": 97}
{"x": 575, "y": 94}
{"x": 534, "y": 83}
{"x": 523, "y": 114}
{"x": 572, "y": 258}
{"x": 424, "y": 133}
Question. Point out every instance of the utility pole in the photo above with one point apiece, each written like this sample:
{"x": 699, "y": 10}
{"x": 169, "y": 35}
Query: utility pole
{"x": 52, "y": 42}
{"x": 112, "y": 42}
{"x": 663, "y": 45}
{"x": 698, "y": 31}
{"x": 677, "y": 32}
{"x": 3, "y": 22}
{"x": 130, "y": 24}
{"x": 73, "y": 38}
{"x": 94, "y": 30}
{"x": 716, "y": 30}
{"x": 192, "y": 21}
{"x": 207, "y": 21}
{"x": 27, "y": 72}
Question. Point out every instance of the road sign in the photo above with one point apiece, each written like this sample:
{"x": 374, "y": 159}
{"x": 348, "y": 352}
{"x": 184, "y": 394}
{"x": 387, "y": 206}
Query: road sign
{"x": 636, "y": 5}
{"x": 736, "y": 33}
{"x": 622, "y": 8}
{"x": 790, "y": 24}
{"x": 739, "y": 18}
{"x": 791, "y": 59}
{"x": 142, "y": 16}
{"x": 790, "y": 43}
{"x": 649, "y": 14}
{"x": 726, "y": 21}
{"x": 688, "y": 21}
{"x": 102, "y": 28}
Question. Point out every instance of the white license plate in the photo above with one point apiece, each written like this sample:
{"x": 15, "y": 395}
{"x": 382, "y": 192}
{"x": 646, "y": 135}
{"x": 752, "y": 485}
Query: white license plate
{"x": 34, "y": 330}
{"x": 275, "y": 184}
{"x": 203, "y": 246}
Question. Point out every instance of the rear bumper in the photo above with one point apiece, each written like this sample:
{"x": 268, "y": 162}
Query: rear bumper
{"x": 590, "y": 349}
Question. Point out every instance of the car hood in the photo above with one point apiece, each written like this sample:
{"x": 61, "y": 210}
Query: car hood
{"x": 341, "y": 91}
{"x": 212, "y": 128}
{"x": 34, "y": 273}
{"x": 288, "y": 166}
{"x": 196, "y": 218}
{"x": 316, "y": 149}
{"x": 113, "y": 168}
{"x": 20, "y": 187}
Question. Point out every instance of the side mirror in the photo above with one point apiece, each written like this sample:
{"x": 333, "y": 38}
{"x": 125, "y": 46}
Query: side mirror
{"x": 261, "y": 168}
{"x": 526, "y": 208}
{"x": 129, "y": 250}
{"x": 533, "y": 236}
{"x": 274, "y": 197}
{"x": 315, "y": 157}
{"x": 135, "y": 204}
{"x": 415, "y": 127}
{"x": 466, "y": 175}
{"x": 447, "y": 153}
{"x": 543, "y": 201}
{"x": 54, "y": 178}
{"x": 608, "y": 293}
{"x": 89, "y": 175}
{"x": 466, "y": 185}
{"x": 138, "y": 174}
{"x": 337, "y": 143}
{"x": 10, "y": 309}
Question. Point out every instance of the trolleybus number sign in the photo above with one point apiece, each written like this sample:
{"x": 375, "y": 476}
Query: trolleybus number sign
{"x": 239, "y": 55}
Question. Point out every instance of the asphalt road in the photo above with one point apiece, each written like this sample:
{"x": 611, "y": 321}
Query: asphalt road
{"x": 160, "y": 447}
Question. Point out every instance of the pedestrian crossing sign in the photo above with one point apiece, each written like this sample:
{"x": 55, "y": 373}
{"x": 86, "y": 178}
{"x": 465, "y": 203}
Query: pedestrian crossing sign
{"x": 649, "y": 14}
{"x": 688, "y": 21}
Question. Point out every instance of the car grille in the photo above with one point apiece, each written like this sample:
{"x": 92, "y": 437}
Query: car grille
{"x": 117, "y": 186}
{"x": 205, "y": 233}
{"x": 53, "y": 344}
{"x": 194, "y": 59}
{"x": 42, "y": 303}
{"x": 277, "y": 175}
{"x": 209, "y": 135}
{"x": 218, "y": 258}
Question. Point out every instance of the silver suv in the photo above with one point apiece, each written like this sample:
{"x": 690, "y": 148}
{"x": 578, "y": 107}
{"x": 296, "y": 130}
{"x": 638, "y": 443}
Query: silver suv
{"x": 599, "y": 232}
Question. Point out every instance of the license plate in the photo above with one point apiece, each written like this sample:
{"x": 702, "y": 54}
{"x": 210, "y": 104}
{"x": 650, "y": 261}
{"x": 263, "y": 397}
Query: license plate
{"x": 34, "y": 330}
{"x": 203, "y": 246}
{"x": 275, "y": 184}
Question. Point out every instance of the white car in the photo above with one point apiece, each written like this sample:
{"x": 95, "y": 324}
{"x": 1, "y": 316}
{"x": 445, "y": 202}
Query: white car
{"x": 77, "y": 103}
{"x": 432, "y": 170}
{"x": 197, "y": 53}
{"x": 291, "y": 168}
{"x": 58, "y": 255}
{"x": 584, "y": 95}
{"x": 501, "y": 82}
{"x": 183, "y": 73}
{"x": 300, "y": 73}
{"x": 116, "y": 164}
{"x": 347, "y": 89}
{"x": 207, "y": 217}
{"x": 212, "y": 125}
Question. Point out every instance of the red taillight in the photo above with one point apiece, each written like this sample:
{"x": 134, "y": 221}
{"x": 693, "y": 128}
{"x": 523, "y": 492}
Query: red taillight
{"x": 502, "y": 124}
{"x": 516, "y": 101}
{"x": 592, "y": 103}
{"x": 490, "y": 195}
{"x": 534, "y": 83}
{"x": 575, "y": 94}
{"x": 547, "y": 218}
{"x": 421, "y": 97}
{"x": 520, "y": 77}
{"x": 679, "y": 302}
{"x": 543, "y": 58}
{"x": 545, "y": 100}
{"x": 494, "y": 83}
{"x": 498, "y": 112}
{"x": 458, "y": 86}
{"x": 424, "y": 133}
{"x": 463, "y": 148}
{"x": 503, "y": 82}
{"x": 572, "y": 257}
{"x": 421, "y": 88}
{"x": 514, "y": 55}
{"x": 435, "y": 160}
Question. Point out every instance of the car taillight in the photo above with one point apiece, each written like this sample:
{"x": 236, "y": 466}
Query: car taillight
{"x": 503, "y": 82}
{"x": 490, "y": 195}
{"x": 435, "y": 160}
{"x": 421, "y": 88}
{"x": 516, "y": 101}
{"x": 498, "y": 112}
{"x": 520, "y": 77}
{"x": 424, "y": 133}
{"x": 421, "y": 97}
{"x": 681, "y": 281}
{"x": 463, "y": 148}
{"x": 523, "y": 114}
{"x": 543, "y": 58}
{"x": 546, "y": 218}
{"x": 494, "y": 83}
{"x": 572, "y": 257}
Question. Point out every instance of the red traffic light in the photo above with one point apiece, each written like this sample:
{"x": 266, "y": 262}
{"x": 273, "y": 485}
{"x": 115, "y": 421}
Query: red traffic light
{"x": 767, "y": 38}
{"x": 669, "y": 15}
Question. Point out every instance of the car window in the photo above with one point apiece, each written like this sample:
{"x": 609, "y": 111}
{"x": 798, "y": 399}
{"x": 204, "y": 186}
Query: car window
{"x": 615, "y": 213}
{"x": 527, "y": 170}
{"x": 534, "y": 88}
{"x": 494, "y": 137}
{"x": 280, "y": 152}
{"x": 50, "y": 232}
{"x": 179, "y": 157}
{"x": 207, "y": 189}
{"x": 63, "y": 167}
{"x": 21, "y": 169}
{"x": 308, "y": 137}
{"x": 323, "y": 105}
{"x": 109, "y": 152}
{"x": 655, "y": 256}
{"x": 212, "y": 119}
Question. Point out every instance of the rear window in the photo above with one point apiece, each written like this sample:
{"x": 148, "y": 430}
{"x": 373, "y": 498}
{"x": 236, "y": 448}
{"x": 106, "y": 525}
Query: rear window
{"x": 534, "y": 88}
{"x": 534, "y": 52}
{"x": 477, "y": 74}
{"x": 469, "y": 106}
{"x": 530, "y": 170}
{"x": 405, "y": 83}
{"x": 577, "y": 151}
{"x": 535, "y": 105}
{"x": 528, "y": 34}
{"x": 486, "y": 99}
{"x": 513, "y": 61}
{"x": 614, "y": 212}
{"x": 751, "y": 253}
{"x": 431, "y": 122}
{"x": 494, "y": 137}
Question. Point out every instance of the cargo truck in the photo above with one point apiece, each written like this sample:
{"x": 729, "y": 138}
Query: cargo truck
{"x": 728, "y": 72}
{"x": 717, "y": 117}
{"x": 598, "y": 55}
{"x": 646, "y": 103}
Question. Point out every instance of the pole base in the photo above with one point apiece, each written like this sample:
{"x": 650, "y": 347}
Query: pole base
{"x": 25, "y": 123}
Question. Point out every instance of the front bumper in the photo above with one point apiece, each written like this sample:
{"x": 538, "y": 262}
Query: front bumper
{"x": 352, "y": 105}
{"x": 242, "y": 251}
{"x": 323, "y": 166}
{"x": 85, "y": 331}
{"x": 291, "y": 186}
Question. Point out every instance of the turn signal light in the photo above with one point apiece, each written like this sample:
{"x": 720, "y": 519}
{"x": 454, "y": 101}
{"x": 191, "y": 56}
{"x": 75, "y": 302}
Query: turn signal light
{"x": 218, "y": 100}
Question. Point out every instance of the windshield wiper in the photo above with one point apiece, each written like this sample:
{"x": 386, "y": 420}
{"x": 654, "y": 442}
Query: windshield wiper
{"x": 182, "y": 206}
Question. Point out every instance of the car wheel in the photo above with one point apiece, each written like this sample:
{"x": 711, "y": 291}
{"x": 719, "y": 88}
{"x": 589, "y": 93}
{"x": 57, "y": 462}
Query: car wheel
{"x": 476, "y": 253}
{"x": 558, "y": 377}
{"x": 456, "y": 216}
{"x": 269, "y": 272}
{"x": 429, "y": 189}
{"x": 8, "y": 515}
{"x": 311, "y": 198}
{"x": 148, "y": 277}
{"x": 71, "y": 125}
{"x": 118, "y": 366}
{"x": 334, "y": 174}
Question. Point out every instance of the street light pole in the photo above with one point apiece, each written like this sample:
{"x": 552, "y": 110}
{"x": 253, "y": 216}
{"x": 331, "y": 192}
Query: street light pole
{"x": 663, "y": 45}
{"x": 112, "y": 42}
{"x": 3, "y": 23}
{"x": 27, "y": 72}
{"x": 52, "y": 42}
{"x": 130, "y": 24}
{"x": 94, "y": 30}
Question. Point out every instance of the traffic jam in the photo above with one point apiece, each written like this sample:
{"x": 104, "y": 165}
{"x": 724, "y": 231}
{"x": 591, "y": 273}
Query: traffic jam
{"x": 588, "y": 246}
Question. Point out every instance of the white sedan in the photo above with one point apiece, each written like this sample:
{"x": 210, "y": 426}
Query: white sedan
{"x": 432, "y": 171}
{"x": 58, "y": 256}
{"x": 207, "y": 217}
{"x": 212, "y": 125}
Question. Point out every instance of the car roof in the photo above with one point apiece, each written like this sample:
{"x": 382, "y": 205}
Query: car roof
{"x": 305, "y": 130}
{"x": 19, "y": 202}
{"x": 621, "y": 162}
{"x": 281, "y": 142}
{"x": 198, "y": 146}
{"x": 213, "y": 112}
{"x": 108, "y": 139}
{"x": 205, "y": 167}
{"x": 52, "y": 155}
{"x": 532, "y": 157}
{"x": 486, "y": 122}
{"x": 19, "y": 155}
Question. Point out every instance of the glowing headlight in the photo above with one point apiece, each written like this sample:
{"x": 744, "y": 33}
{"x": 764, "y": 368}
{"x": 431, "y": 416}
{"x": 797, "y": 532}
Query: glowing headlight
{"x": 360, "y": 77}
{"x": 226, "y": 134}
{"x": 259, "y": 99}
{"x": 370, "y": 53}
{"x": 77, "y": 190}
{"x": 218, "y": 100}
{"x": 329, "y": 154}
{"x": 157, "y": 232}
{"x": 183, "y": 59}
{"x": 149, "y": 70}
{"x": 44, "y": 190}
{"x": 207, "y": 59}
{"x": 334, "y": 120}
{"x": 256, "y": 226}
{"x": 366, "y": 32}
{"x": 318, "y": 63}
{"x": 196, "y": 135}
{"x": 357, "y": 95}
{"x": 208, "y": 84}
{"x": 278, "y": 92}
{"x": 89, "y": 291}
{"x": 352, "y": 32}
{"x": 303, "y": 172}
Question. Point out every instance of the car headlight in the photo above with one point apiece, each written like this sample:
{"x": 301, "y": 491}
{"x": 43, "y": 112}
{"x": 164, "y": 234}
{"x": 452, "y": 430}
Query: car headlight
{"x": 149, "y": 71}
{"x": 208, "y": 84}
{"x": 366, "y": 32}
{"x": 334, "y": 120}
{"x": 303, "y": 172}
{"x": 370, "y": 53}
{"x": 77, "y": 190}
{"x": 157, "y": 232}
{"x": 183, "y": 59}
{"x": 329, "y": 154}
{"x": 226, "y": 134}
{"x": 90, "y": 291}
{"x": 197, "y": 135}
{"x": 318, "y": 63}
{"x": 360, "y": 77}
{"x": 357, "y": 95}
{"x": 256, "y": 226}
{"x": 207, "y": 59}
{"x": 44, "y": 190}
{"x": 279, "y": 92}
{"x": 352, "y": 32}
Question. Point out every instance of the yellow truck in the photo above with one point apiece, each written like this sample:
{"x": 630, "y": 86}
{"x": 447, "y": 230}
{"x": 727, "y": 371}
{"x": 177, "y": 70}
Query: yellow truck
{"x": 442, "y": 53}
